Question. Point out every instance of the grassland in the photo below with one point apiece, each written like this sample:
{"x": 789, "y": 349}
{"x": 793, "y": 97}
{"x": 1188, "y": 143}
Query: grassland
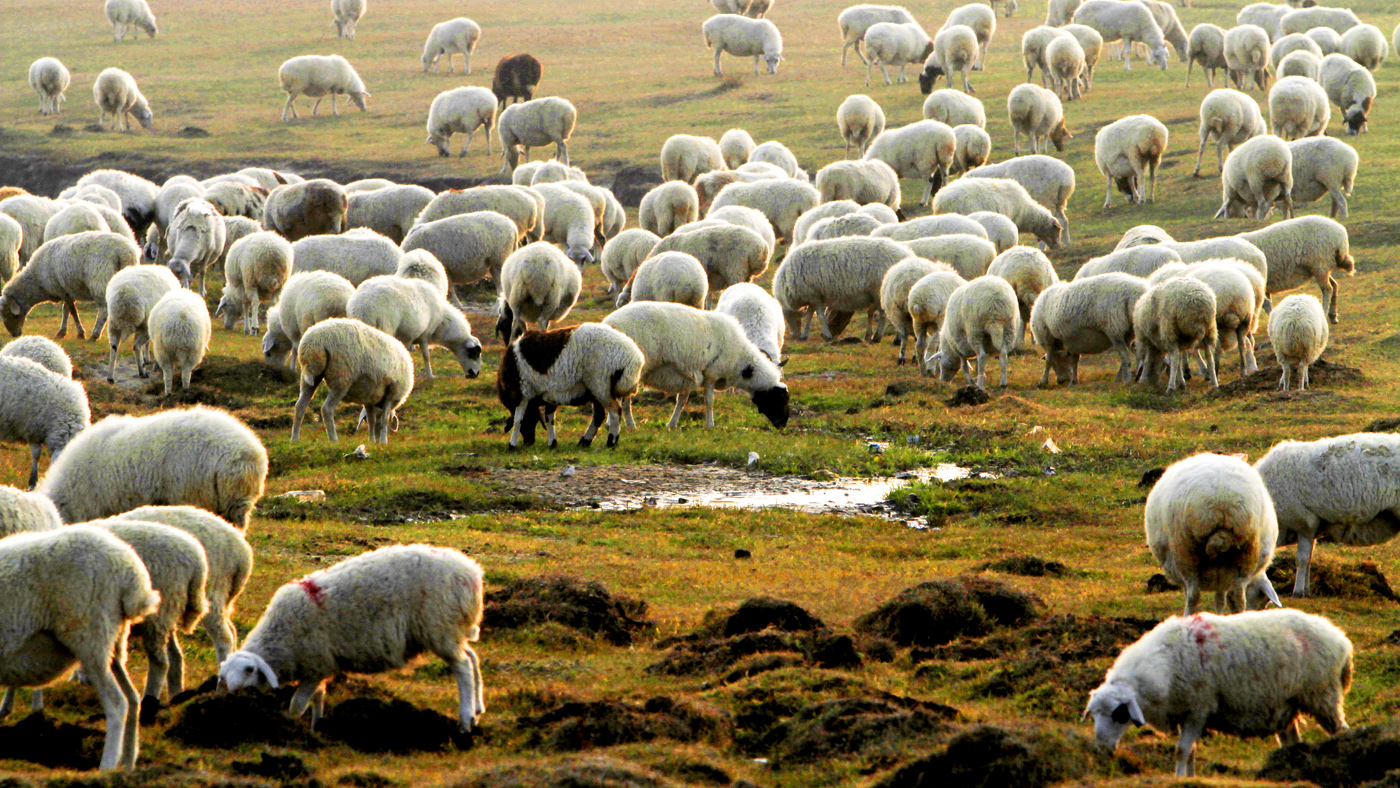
{"x": 637, "y": 73}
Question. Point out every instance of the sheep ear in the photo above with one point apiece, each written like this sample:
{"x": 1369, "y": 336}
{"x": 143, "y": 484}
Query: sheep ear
{"x": 1134, "y": 712}
{"x": 1121, "y": 714}
{"x": 747, "y": 372}
{"x": 265, "y": 669}
{"x": 1220, "y": 214}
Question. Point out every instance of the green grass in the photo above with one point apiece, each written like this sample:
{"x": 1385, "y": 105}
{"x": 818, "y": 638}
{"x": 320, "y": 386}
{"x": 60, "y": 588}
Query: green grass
{"x": 637, "y": 73}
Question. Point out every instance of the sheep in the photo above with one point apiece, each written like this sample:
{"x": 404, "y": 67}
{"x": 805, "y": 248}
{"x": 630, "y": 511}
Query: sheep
{"x": 1028, "y": 271}
{"x": 1299, "y": 64}
{"x": 522, "y": 205}
{"x": 196, "y": 241}
{"x": 1323, "y": 166}
{"x": 448, "y": 38}
{"x": 416, "y": 311}
{"x": 684, "y": 347}
{"x": 1239, "y": 291}
{"x": 25, "y": 512}
{"x": 1256, "y": 174}
{"x": 68, "y": 269}
{"x": 1006, "y": 197}
{"x": 927, "y": 302}
{"x": 1172, "y": 30}
{"x": 1265, "y": 15}
{"x": 390, "y": 211}
{"x": 862, "y": 181}
{"x": 858, "y": 19}
{"x": 684, "y": 157}
{"x": 667, "y": 207}
{"x": 130, "y": 16}
{"x": 1327, "y": 40}
{"x": 899, "y": 280}
{"x": 172, "y": 194}
{"x": 31, "y": 214}
{"x": 1170, "y": 320}
{"x": 973, "y": 148}
{"x": 1207, "y": 47}
{"x": 40, "y": 408}
{"x": 42, "y": 351}
{"x": 470, "y": 246}
{"x": 982, "y": 19}
{"x": 1058, "y": 13}
{"x": 79, "y": 217}
{"x": 356, "y": 255}
{"x": 1048, "y": 181}
{"x": 744, "y": 37}
{"x": 258, "y": 267}
{"x": 1302, "y": 20}
{"x": 104, "y": 588}
{"x": 1033, "y": 44}
{"x": 460, "y": 110}
{"x": 515, "y": 78}
{"x": 1298, "y": 108}
{"x": 728, "y": 253}
{"x": 538, "y": 284}
{"x": 1232, "y": 118}
{"x": 1138, "y": 261}
{"x": 179, "y": 329}
{"x": 1089, "y": 315}
{"x": 1350, "y": 86}
{"x": 570, "y": 220}
{"x": 1298, "y": 331}
{"x": 1127, "y": 152}
{"x": 1293, "y": 42}
{"x": 954, "y": 108}
{"x": 1247, "y": 55}
{"x": 1092, "y": 43}
{"x": 842, "y": 226}
{"x": 1366, "y": 45}
{"x": 420, "y": 264}
{"x": 931, "y": 226}
{"x": 675, "y": 277}
{"x": 307, "y": 299}
{"x": 115, "y": 93}
{"x": 623, "y": 253}
{"x": 895, "y": 44}
{"x": 11, "y": 240}
{"x": 131, "y": 293}
{"x": 423, "y": 598}
{"x": 759, "y": 315}
{"x": 754, "y": 9}
{"x": 968, "y": 255}
{"x": 358, "y": 363}
{"x": 1127, "y": 22}
{"x": 587, "y": 364}
{"x": 316, "y": 76}
{"x": 1036, "y": 113}
{"x": 923, "y": 150}
{"x": 833, "y": 280}
{"x": 346, "y": 14}
{"x": 980, "y": 317}
{"x": 781, "y": 200}
{"x": 237, "y": 199}
{"x": 1251, "y": 674}
{"x": 535, "y": 123}
{"x": 1065, "y": 58}
{"x": 777, "y": 154}
{"x": 736, "y": 145}
{"x": 297, "y": 210}
{"x": 954, "y": 50}
{"x": 137, "y": 194}
{"x": 49, "y": 78}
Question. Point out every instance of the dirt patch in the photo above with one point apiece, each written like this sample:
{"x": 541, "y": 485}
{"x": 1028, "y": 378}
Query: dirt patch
{"x": 1066, "y": 637}
{"x": 1321, "y": 374}
{"x": 1026, "y": 566}
{"x": 692, "y": 772}
{"x": 228, "y": 721}
{"x": 377, "y": 725}
{"x": 1347, "y": 760}
{"x": 577, "y": 725}
{"x": 760, "y": 613}
{"x": 1383, "y": 425}
{"x": 584, "y": 606}
{"x": 633, "y": 181}
{"x": 782, "y": 632}
{"x": 193, "y": 133}
{"x": 940, "y": 611}
{"x": 58, "y": 745}
{"x": 580, "y": 773}
{"x": 991, "y": 757}
{"x": 968, "y": 396}
{"x": 877, "y": 730}
{"x": 1354, "y": 580}
{"x": 282, "y": 768}
{"x": 366, "y": 780}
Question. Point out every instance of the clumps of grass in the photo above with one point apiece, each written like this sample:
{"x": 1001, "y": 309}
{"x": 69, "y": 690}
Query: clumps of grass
{"x": 583, "y": 606}
{"x": 1349, "y": 759}
{"x": 228, "y": 721}
{"x": 39, "y": 739}
{"x": 988, "y": 756}
{"x": 877, "y": 730}
{"x": 762, "y": 635}
{"x": 578, "y": 725}
{"x": 574, "y": 773}
{"x": 940, "y": 611}
{"x": 1354, "y": 580}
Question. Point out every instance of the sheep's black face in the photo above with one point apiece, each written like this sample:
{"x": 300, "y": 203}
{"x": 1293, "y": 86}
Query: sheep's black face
{"x": 773, "y": 403}
{"x": 928, "y": 77}
{"x": 1356, "y": 121}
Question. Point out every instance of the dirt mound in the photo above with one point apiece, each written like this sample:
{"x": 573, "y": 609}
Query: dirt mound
{"x": 585, "y": 606}
{"x": 1354, "y": 580}
{"x": 1320, "y": 375}
{"x": 366, "y": 780}
{"x": 875, "y": 729}
{"x": 940, "y": 611}
{"x": 393, "y": 725}
{"x": 991, "y": 757}
{"x": 687, "y": 771}
{"x": 633, "y": 181}
{"x": 579, "y": 773}
{"x": 199, "y": 393}
{"x": 277, "y": 767}
{"x": 689, "y": 657}
{"x": 1026, "y": 566}
{"x": 577, "y": 725}
{"x": 243, "y": 378}
{"x": 1067, "y": 637}
{"x": 1347, "y": 760}
{"x": 967, "y": 395}
{"x": 159, "y": 776}
{"x": 38, "y": 739}
{"x": 227, "y": 721}
{"x": 760, "y": 613}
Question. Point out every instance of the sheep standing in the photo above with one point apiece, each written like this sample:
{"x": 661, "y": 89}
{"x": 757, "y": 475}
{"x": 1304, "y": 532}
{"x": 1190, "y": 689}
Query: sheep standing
{"x": 1247, "y": 56}
{"x": 522, "y": 205}
{"x": 894, "y": 296}
{"x": 533, "y": 124}
{"x": 922, "y": 150}
{"x": 368, "y": 614}
{"x": 130, "y": 16}
{"x": 1006, "y": 197}
{"x": 307, "y": 299}
{"x": 1298, "y": 331}
{"x": 1323, "y": 167}
{"x": 1239, "y": 297}
{"x": 863, "y": 181}
{"x": 345, "y": 15}
{"x": 1299, "y": 64}
{"x": 1092, "y": 43}
{"x": 954, "y": 108}
{"x": 1302, "y": 20}
{"x": 728, "y": 254}
{"x": 968, "y": 255}
{"x": 781, "y": 200}
{"x": 858, "y": 19}
{"x": 973, "y": 148}
{"x": 1085, "y": 317}
{"x": 759, "y": 315}
{"x": 1256, "y": 174}
{"x": 196, "y": 241}
{"x": 358, "y": 363}
{"x": 389, "y": 211}
{"x": 179, "y": 328}
{"x": 955, "y": 50}
{"x": 449, "y": 38}
{"x": 623, "y": 253}
{"x": 1129, "y": 23}
{"x": 414, "y": 311}
{"x": 1127, "y": 153}
{"x": 667, "y": 207}
{"x": 1036, "y": 113}
{"x": 1366, "y": 45}
{"x": 515, "y": 78}
{"x": 68, "y": 269}
{"x": 258, "y": 267}
{"x": 735, "y": 145}
{"x": 1207, "y": 47}
{"x": 49, "y": 78}
{"x": 684, "y": 157}
{"x": 1251, "y": 674}
{"x": 591, "y": 363}
{"x": 1298, "y": 108}
{"x": 461, "y": 110}
{"x": 1058, "y": 13}
{"x": 131, "y": 294}
{"x": 1231, "y": 117}
{"x": 982, "y": 19}
{"x": 115, "y": 93}
{"x": 895, "y": 44}
{"x": 833, "y": 280}
{"x": 980, "y": 317}
{"x": 40, "y": 408}
{"x": 1170, "y": 320}
{"x": 538, "y": 284}
{"x": 315, "y": 76}
{"x": 1265, "y": 15}
{"x": 744, "y": 37}
{"x": 1351, "y": 87}
{"x": 470, "y": 246}
{"x": 1033, "y": 44}
{"x": 1048, "y": 181}
{"x": 297, "y": 210}
{"x": 927, "y": 304}
{"x": 1065, "y": 58}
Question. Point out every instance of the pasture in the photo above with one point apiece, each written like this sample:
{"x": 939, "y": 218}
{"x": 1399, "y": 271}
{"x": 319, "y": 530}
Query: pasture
{"x": 1056, "y": 471}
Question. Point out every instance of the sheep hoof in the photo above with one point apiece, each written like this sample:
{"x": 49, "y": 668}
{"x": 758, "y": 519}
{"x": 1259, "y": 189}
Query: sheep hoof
{"x": 612, "y": 441}
{"x": 585, "y": 442}
{"x": 554, "y": 444}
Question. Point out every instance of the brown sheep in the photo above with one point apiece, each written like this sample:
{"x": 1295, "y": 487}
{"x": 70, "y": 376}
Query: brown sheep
{"x": 516, "y": 78}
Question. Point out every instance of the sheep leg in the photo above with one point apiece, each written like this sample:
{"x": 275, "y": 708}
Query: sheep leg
{"x": 1283, "y": 381}
{"x": 316, "y": 106}
{"x": 289, "y": 107}
{"x": 114, "y": 706}
{"x": 34, "y": 450}
{"x": 756, "y": 58}
{"x": 303, "y": 400}
{"x": 1189, "y": 64}
{"x": 1193, "y": 597}
{"x": 1248, "y": 365}
{"x": 967, "y": 84}
{"x": 465, "y": 672}
{"x": 600, "y": 414}
{"x": 1005, "y": 355}
{"x": 1234, "y": 599}
{"x": 1302, "y": 376}
{"x": 981, "y": 367}
{"x": 219, "y": 629}
{"x": 614, "y": 425}
{"x": 516, "y": 421}
{"x": 1186, "y": 750}
{"x": 427, "y": 357}
{"x": 720, "y": 73}
{"x": 868, "y": 66}
{"x": 175, "y": 677}
{"x": 1200, "y": 151}
{"x": 185, "y": 377}
{"x": 885, "y": 69}
{"x": 626, "y": 409}
{"x": 1125, "y": 362}
{"x": 1304, "y": 558}
{"x": 167, "y": 373}
{"x": 681, "y": 399}
{"x": 303, "y": 698}
{"x": 709, "y": 405}
{"x": 875, "y": 325}
{"x": 98, "y": 324}
{"x": 1108, "y": 196}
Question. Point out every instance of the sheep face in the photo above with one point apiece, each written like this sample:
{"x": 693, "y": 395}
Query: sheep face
{"x": 440, "y": 142}
{"x": 181, "y": 270}
{"x": 246, "y": 669}
{"x": 1063, "y": 365}
{"x": 149, "y": 27}
{"x": 1158, "y": 57}
{"x": 359, "y": 99}
{"x": 772, "y": 59}
{"x": 929, "y": 77}
{"x": 948, "y": 365}
{"x": 144, "y": 116}
{"x": 13, "y": 313}
{"x": 772, "y": 402}
{"x": 276, "y": 347}
{"x": 1114, "y": 707}
{"x": 1052, "y": 236}
{"x": 1356, "y": 118}
{"x": 469, "y": 356}
{"x": 1060, "y": 135}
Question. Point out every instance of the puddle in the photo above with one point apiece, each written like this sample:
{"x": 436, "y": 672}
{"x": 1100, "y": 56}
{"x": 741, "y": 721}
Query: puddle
{"x": 837, "y": 495}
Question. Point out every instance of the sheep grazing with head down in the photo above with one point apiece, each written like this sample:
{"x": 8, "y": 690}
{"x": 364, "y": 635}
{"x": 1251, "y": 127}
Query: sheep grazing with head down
{"x": 1049, "y": 181}
{"x": 40, "y": 408}
{"x": 1207, "y": 47}
{"x": 538, "y": 284}
{"x": 116, "y": 94}
{"x": 1298, "y": 108}
{"x": 1129, "y": 23}
{"x": 516, "y": 78}
{"x": 1351, "y": 87}
{"x": 196, "y": 241}
{"x": 461, "y": 110}
{"x": 315, "y": 76}
{"x": 130, "y": 16}
{"x": 895, "y": 44}
{"x": 49, "y": 78}
{"x": 1298, "y": 331}
{"x": 1127, "y": 153}
{"x": 744, "y": 37}
{"x": 307, "y": 299}
{"x": 1170, "y": 320}
{"x": 448, "y": 38}
{"x": 1247, "y": 56}
{"x": 1085, "y": 317}
{"x": 980, "y": 318}
{"x": 42, "y": 351}
{"x": 858, "y": 19}
{"x": 922, "y": 150}
{"x": 358, "y": 363}
{"x": 535, "y": 123}
{"x": 1231, "y": 117}
{"x": 131, "y": 294}
{"x": 315, "y": 207}
{"x": 1256, "y": 174}
{"x": 1006, "y": 197}
{"x": 834, "y": 279}
{"x": 735, "y": 146}
{"x": 1323, "y": 167}
{"x": 68, "y": 269}
{"x": 346, "y": 15}
{"x": 1038, "y": 114}
{"x": 685, "y": 157}
{"x": 416, "y": 311}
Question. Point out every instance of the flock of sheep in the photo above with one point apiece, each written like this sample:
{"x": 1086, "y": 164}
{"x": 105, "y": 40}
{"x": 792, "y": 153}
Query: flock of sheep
{"x": 358, "y": 274}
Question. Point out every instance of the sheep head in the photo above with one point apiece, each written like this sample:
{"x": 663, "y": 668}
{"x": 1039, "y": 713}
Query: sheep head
{"x": 1113, "y": 707}
{"x": 773, "y": 403}
{"x": 246, "y": 669}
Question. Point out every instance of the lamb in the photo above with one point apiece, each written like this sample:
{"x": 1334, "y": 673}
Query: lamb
{"x": 258, "y": 267}
{"x": 1350, "y": 86}
{"x": 356, "y": 255}
{"x": 1247, "y": 55}
{"x": 781, "y": 200}
{"x": 1323, "y": 166}
{"x": 1232, "y": 118}
{"x": 516, "y": 78}
{"x": 130, "y": 16}
{"x": 623, "y": 253}
{"x": 347, "y": 13}
{"x": 968, "y": 255}
{"x": 863, "y": 181}
{"x": 684, "y": 347}
{"x": 684, "y": 157}
{"x": 315, "y": 207}
{"x": 532, "y": 124}
{"x": 1058, "y": 13}
{"x": 1092, "y": 43}
{"x": 973, "y": 149}
{"x": 317, "y": 76}
{"x": 425, "y": 599}
{"x": 71, "y": 594}
{"x": 179, "y": 330}
{"x": 1265, "y": 15}
{"x": 1065, "y": 58}
{"x": 954, "y": 50}
{"x": 1003, "y": 196}
{"x": 1129, "y": 22}
{"x": 538, "y": 284}
{"x": 49, "y": 78}
{"x": 1251, "y": 674}
{"x": 744, "y": 37}
{"x": 587, "y": 364}
{"x": 78, "y": 217}
{"x": 307, "y": 299}
{"x": 1256, "y": 174}
{"x": 736, "y": 145}
{"x": 1298, "y": 108}
{"x": 131, "y": 294}
{"x": 1299, "y": 64}
{"x": 667, "y": 207}
{"x": 1046, "y": 179}
{"x": 359, "y": 363}
{"x": 980, "y": 317}
{"x": 894, "y": 296}
{"x": 1298, "y": 331}
{"x": 460, "y": 110}
{"x": 759, "y": 315}
{"x": 43, "y": 351}
{"x": 982, "y": 19}
{"x": 858, "y": 19}
{"x": 448, "y": 38}
{"x": 1207, "y": 47}
{"x": 1366, "y": 45}
{"x": 1127, "y": 152}
{"x": 833, "y": 280}
{"x": 1036, "y": 113}
{"x": 470, "y": 246}
{"x": 40, "y": 408}
{"x": 115, "y": 93}
{"x": 1138, "y": 261}
{"x": 931, "y": 226}
{"x": 922, "y": 150}
{"x": 416, "y": 311}
{"x": 1302, "y": 20}
{"x": 728, "y": 253}
{"x": 928, "y": 300}
{"x": 1170, "y": 320}
{"x": 522, "y": 205}
{"x": 954, "y": 108}
{"x": 1089, "y": 315}
{"x": 68, "y": 269}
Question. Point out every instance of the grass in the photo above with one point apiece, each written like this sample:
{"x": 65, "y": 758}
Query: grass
{"x": 637, "y": 73}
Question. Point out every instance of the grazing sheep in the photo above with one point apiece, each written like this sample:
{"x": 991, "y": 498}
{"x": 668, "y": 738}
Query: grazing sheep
{"x": 422, "y": 265}
{"x": 954, "y": 108}
{"x": 68, "y": 269}
{"x": 1058, "y": 13}
{"x": 685, "y": 347}
{"x": 535, "y": 123}
{"x": 1239, "y": 293}
{"x": 1232, "y": 118}
{"x": 833, "y": 280}
{"x": 470, "y": 246}
{"x": 728, "y": 253}
{"x": 983, "y": 21}
{"x": 842, "y": 226}
{"x": 862, "y": 181}
{"x": 1256, "y": 174}
{"x": 449, "y": 38}
{"x": 171, "y": 196}
{"x": 1299, "y": 64}
{"x": 356, "y": 255}
{"x": 1065, "y": 59}
{"x": 980, "y": 317}
{"x": 49, "y": 78}
{"x": 777, "y": 154}
{"x": 368, "y": 614}
{"x": 675, "y": 277}
{"x": 1298, "y": 108}
{"x": 1170, "y": 320}
{"x": 1087, "y": 316}
{"x": 389, "y": 211}
{"x": 1265, "y": 15}
{"x": 137, "y": 194}
{"x": 1350, "y": 86}
{"x": 316, "y": 76}
{"x": 759, "y": 315}
{"x": 11, "y": 241}
{"x": 358, "y": 363}
{"x": 297, "y": 210}
{"x": 931, "y": 226}
{"x": 667, "y": 207}
{"x": 1127, "y": 152}
{"x": 1251, "y": 674}
{"x": 1129, "y": 23}
{"x": 744, "y": 37}
{"x": 79, "y": 217}
{"x": 237, "y": 199}
{"x": 1327, "y": 40}
{"x": 538, "y": 284}
{"x": 968, "y": 255}
{"x": 781, "y": 200}
{"x": 1029, "y": 272}
{"x": 954, "y": 50}
{"x": 736, "y": 144}
{"x": 1366, "y": 45}
{"x": 416, "y": 311}
{"x": 1247, "y": 55}
{"x": 623, "y": 253}
{"x": 858, "y": 19}
{"x": 895, "y": 44}
{"x": 1003, "y": 196}
{"x": 571, "y": 220}
{"x": 973, "y": 148}
{"x": 922, "y": 150}
{"x": 257, "y": 268}
{"x": 1092, "y": 43}
{"x": 1298, "y": 331}
{"x": 1323, "y": 167}
{"x": 522, "y": 205}
{"x": 1046, "y": 179}
{"x": 32, "y": 214}
{"x": 1172, "y": 30}
{"x": 1207, "y": 47}
{"x": 347, "y": 14}
{"x": 1033, "y": 44}
{"x": 894, "y": 296}
{"x": 1293, "y": 42}
{"x": 43, "y": 351}
{"x": 516, "y": 78}
{"x": 115, "y": 93}
{"x": 131, "y": 294}
{"x": 460, "y": 110}
{"x": 24, "y": 512}
{"x": 179, "y": 330}
{"x": 1301, "y": 20}
{"x": 927, "y": 302}
{"x": 754, "y": 9}
{"x": 1139, "y": 261}
{"x": 307, "y": 299}
{"x": 1036, "y": 113}
{"x": 40, "y": 408}
{"x": 130, "y": 16}
{"x": 196, "y": 241}
{"x": 684, "y": 157}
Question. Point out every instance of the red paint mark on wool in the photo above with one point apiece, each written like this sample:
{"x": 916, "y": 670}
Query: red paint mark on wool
{"x": 313, "y": 591}
{"x": 1203, "y": 633}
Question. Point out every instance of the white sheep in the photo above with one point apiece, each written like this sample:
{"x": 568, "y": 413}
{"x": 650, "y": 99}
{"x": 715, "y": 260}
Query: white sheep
{"x": 1239, "y": 295}
{"x": 955, "y": 50}
{"x": 833, "y": 280}
{"x": 1092, "y": 43}
{"x": 1058, "y": 13}
{"x": 675, "y": 277}
{"x": 1323, "y": 167}
{"x": 571, "y": 220}
{"x": 317, "y": 76}
{"x": 449, "y": 38}
{"x": 1366, "y": 45}
{"x": 1065, "y": 59}
{"x": 1231, "y": 117}
{"x": 533, "y": 124}
{"x": 684, "y": 157}
{"x": 368, "y": 614}
{"x": 922, "y": 150}
{"x": 115, "y": 93}
{"x": 43, "y": 351}
{"x": 346, "y": 13}
{"x": 856, "y": 20}
{"x": 1350, "y": 86}
{"x": 195, "y": 239}
{"x": 461, "y": 110}
{"x": 980, "y": 317}
{"x": 11, "y": 242}
{"x": 40, "y": 408}
{"x": 1298, "y": 331}
{"x": 1033, "y": 44}
{"x": 1170, "y": 320}
{"x": 862, "y": 181}
{"x": 968, "y": 255}
{"x": 356, "y": 255}
{"x": 983, "y": 21}
{"x": 667, "y": 207}
{"x": 973, "y": 148}
{"x": 470, "y": 246}
{"x": 954, "y": 108}
{"x": 1046, "y": 179}
{"x": 927, "y": 302}
{"x": 538, "y": 284}
{"x": 1256, "y": 174}
{"x": 1301, "y": 20}
{"x": 422, "y": 265}
{"x": 1127, "y": 153}
{"x": 1293, "y": 42}
{"x": 31, "y": 214}
{"x": 1328, "y": 40}
{"x": 623, "y": 253}
{"x": 49, "y": 78}
{"x": 1247, "y": 56}
{"x": 1087, "y": 316}
{"x": 130, "y": 16}
{"x": 79, "y": 217}
{"x": 894, "y": 296}
{"x": 389, "y": 211}
{"x": 759, "y": 315}
{"x": 1000, "y": 231}
{"x": 297, "y": 210}
{"x": 1250, "y": 674}
{"x": 1139, "y": 261}
{"x": 751, "y": 8}
{"x": 25, "y": 512}
{"x": 1172, "y": 30}
{"x": 728, "y": 253}
{"x": 307, "y": 299}
{"x": 257, "y": 268}
{"x": 521, "y": 204}
{"x": 179, "y": 330}
{"x": 741, "y": 36}
{"x": 68, "y": 269}
{"x": 137, "y": 194}
{"x": 779, "y": 155}
{"x": 1299, "y": 64}
{"x": 415, "y": 311}
{"x": 841, "y": 226}
{"x": 1265, "y": 15}
{"x": 1298, "y": 108}
{"x": 1207, "y": 47}
{"x": 359, "y": 364}
{"x": 686, "y": 347}
{"x": 1028, "y": 271}
{"x": 931, "y": 226}
{"x": 1036, "y": 113}
{"x": 781, "y": 200}
{"x": 735, "y": 146}
{"x": 1129, "y": 23}
{"x": 895, "y": 44}
{"x": 131, "y": 294}
{"x": 1006, "y": 197}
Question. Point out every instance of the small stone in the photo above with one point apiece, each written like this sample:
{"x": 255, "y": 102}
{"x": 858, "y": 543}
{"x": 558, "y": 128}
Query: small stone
{"x": 305, "y": 496}
{"x": 741, "y": 554}
{"x": 567, "y": 471}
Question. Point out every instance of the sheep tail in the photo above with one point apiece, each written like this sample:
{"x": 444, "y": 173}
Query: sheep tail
{"x": 138, "y": 602}
{"x": 196, "y": 605}
{"x": 1225, "y": 540}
